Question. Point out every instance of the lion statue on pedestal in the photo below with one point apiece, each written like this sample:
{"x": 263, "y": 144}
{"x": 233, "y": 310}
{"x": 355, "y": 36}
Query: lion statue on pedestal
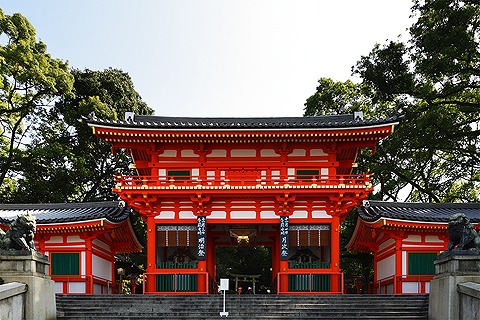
{"x": 20, "y": 234}
{"x": 462, "y": 234}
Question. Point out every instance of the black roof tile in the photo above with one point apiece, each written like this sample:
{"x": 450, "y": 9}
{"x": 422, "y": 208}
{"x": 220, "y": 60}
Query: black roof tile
{"x": 422, "y": 212}
{"x": 49, "y": 213}
{"x": 159, "y": 122}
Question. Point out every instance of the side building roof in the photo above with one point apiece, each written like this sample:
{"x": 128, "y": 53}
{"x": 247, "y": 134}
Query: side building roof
{"x": 380, "y": 217}
{"x": 110, "y": 218}
{"x": 371, "y": 211}
{"x": 51, "y": 213}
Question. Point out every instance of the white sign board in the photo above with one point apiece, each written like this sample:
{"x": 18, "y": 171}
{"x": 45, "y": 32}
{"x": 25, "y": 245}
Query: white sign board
{"x": 224, "y": 284}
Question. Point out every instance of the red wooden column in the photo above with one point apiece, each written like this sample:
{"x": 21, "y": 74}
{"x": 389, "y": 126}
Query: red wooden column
{"x": 398, "y": 263}
{"x": 88, "y": 265}
{"x": 335, "y": 253}
{"x": 151, "y": 254}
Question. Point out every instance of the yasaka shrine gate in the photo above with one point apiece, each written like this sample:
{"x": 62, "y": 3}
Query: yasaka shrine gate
{"x": 279, "y": 182}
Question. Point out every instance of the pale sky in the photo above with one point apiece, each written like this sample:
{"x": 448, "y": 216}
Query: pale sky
{"x": 217, "y": 58}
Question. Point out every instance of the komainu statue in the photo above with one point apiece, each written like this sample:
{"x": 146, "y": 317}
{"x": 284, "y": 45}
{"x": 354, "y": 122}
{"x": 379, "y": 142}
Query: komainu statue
{"x": 20, "y": 234}
{"x": 462, "y": 234}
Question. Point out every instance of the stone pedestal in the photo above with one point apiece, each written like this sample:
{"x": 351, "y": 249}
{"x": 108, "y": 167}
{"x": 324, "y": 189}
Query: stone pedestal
{"x": 451, "y": 270}
{"x": 31, "y": 268}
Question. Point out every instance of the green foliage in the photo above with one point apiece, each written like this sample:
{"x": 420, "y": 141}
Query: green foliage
{"x": 433, "y": 83}
{"x": 30, "y": 80}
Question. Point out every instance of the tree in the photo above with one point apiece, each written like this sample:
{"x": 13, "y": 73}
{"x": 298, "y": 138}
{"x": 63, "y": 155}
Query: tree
{"x": 64, "y": 161}
{"x": 30, "y": 81}
{"x": 432, "y": 82}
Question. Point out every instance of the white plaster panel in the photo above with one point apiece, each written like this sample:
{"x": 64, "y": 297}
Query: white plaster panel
{"x": 427, "y": 287}
{"x": 76, "y": 287}
{"x": 324, "y": 172}
{"x": 268, "y": 153}
{"x": 102, "y": 245}
{"x": 291, "y": 171}
{"x": 217, "y": 153}
{"x": 58, "y": 287}
{"x": 414, "y": 238}
{"x": 386, "y": 267}
{"x": 385, "y": 244}
{"x": 166, "y": 215}
{"x": 74, "y": 239}
{"x": 317, "y": 152}
{"x": 243, "y": 153}
{"x": 302, "y": 214}
{"x": 243, "y": 214}
{"x": 83, "y": 269}
{"x": 217, "y": 215}
{"x": 189, "y": 154}
{"x": 298, "y": 153}
{"x": 211, "y": 173}
{"x": 268, "y": 215}
{"x": 404, "y": 262}
{"x": 195, "y": 172}
{"x": 168, "y": 153}
{"x": 55, "y": 239}
{"x": 186, "y": 215}
{"x": 162, "y": 172}
{"x": 102, "y": 268}
{"x": 433, "y": 239}
{"x": 320, "y": 214}
{"x": 410, "y": 287}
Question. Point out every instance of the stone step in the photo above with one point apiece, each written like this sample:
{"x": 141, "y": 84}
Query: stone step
{"x": 86, "y": 307}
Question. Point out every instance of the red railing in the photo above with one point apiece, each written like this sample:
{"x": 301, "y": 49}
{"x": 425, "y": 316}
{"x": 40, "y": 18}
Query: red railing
{"x": 317, "y": 282}
{"x": 106, "y": 286}
{"x": 394, "y": 284}
{"x": 339, "y": 181}
{"x": 180, "y": 282}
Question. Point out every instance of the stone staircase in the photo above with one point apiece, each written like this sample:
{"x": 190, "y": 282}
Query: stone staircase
{"x": 93, "y": 307}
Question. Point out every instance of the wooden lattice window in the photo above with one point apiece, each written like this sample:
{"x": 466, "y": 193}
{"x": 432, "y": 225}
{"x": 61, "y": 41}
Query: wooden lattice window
{"x": 307, "y": 174}
{"x": 65, "y": 263}
{"x": 178, "y": 175}
{"x": 421, "y": 263}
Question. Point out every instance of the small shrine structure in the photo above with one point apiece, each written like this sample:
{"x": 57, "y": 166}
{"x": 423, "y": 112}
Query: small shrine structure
{"x": 282, "y": 182}
{"x": 405, "y": 239}
{"x": 80, "y": 240}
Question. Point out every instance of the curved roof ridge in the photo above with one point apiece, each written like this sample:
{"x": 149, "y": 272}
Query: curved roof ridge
{"x": 332, "y": 121}
{"x": 50, "y": 213}
{"x": 415, "y": 211}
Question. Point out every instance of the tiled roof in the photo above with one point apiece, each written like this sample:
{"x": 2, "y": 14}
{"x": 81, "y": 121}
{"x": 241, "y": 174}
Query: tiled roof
{"x": 422, "y": 212}
{"x": 158, "y": 122}
{"x": 49, "y": 213}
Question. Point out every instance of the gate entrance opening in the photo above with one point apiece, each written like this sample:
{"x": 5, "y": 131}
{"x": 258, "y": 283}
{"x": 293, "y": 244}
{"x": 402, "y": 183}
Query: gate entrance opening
{"x": 248, "y": 267}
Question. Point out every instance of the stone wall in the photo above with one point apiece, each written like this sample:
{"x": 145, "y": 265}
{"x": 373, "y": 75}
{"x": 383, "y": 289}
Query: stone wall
{"x": 12, "y": 301}
{"x": 469, "y": 300}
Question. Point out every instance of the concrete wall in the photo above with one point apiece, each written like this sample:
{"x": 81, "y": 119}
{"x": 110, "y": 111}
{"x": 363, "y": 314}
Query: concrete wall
{"x": 12, "y": 301}
{"x": 469, "y": 300}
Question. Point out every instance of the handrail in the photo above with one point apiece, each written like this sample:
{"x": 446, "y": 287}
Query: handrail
{"x": 361, "y": 180}
{"x": 89, "y": 280}
{"x": 396, "y": 279}
{"x": 310, "y": 279}
{"x": 152, "y": 277}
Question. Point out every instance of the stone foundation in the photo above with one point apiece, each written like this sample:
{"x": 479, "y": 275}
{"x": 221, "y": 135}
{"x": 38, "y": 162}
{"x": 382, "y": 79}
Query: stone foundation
{"x": 451, "y": 270}
{"x": 31, "y": 268}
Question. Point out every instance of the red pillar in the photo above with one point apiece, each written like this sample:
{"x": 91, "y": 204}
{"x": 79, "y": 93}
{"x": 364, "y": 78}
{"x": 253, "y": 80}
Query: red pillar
{"x": 398, "y": 265}
{"x": 151, "y": 254}
{"x": 88, "y": 265}
{"x": 335, "y": 254}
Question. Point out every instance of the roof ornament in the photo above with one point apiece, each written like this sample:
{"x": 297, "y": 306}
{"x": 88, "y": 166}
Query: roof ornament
{"x": 92, "y": 116}
{"x": 366, "y": 203}
{"x": 129, "y": 116}
{"x": 358, "y": 115}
